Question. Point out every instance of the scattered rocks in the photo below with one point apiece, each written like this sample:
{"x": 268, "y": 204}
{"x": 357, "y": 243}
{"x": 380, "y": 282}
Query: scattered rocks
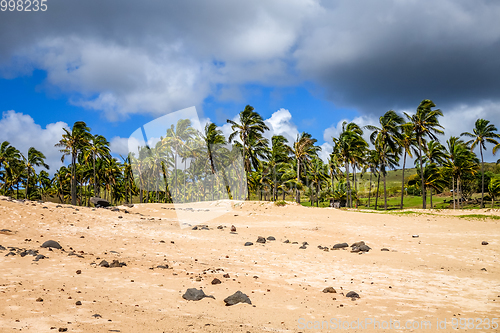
{"x": 271, "y": 238}
{"x": 220, "y": 227}
{"x": 340, "y": 246}
{"x": 62, "y": 329}
{"x": 96, "y": 315}
{"x": 484, "y": 243}
{"x": 237, "y": 297}
{"x": 303, "y": 247}
{"x": 116, "y": 263}
{"x": 78, "y": 303}
{"x": 233, "y": 228}
{"x": 330, "y": 290}
{"x": 384, "y": 249}
{"x": 39, "y": 299}
{"x": 216, "y": 281}
{"x": 51, "y": 244}
{"x": 352, "y": 294}
{"x": 248, "y": 244}
{"x": 286, "y": 242}
{"x": 261, "y": 239}
{"x": 162, "y": 266}
{"x": 360, "y": 247}
{"x": 193, "y": 294}
{"x": 2, "y": 248}
{"x": 305, "y": 243}
{"x": 38, "y": 257}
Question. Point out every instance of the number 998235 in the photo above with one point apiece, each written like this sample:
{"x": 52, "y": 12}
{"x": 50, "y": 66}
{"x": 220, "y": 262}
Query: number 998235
{"x": 23, "y": 5}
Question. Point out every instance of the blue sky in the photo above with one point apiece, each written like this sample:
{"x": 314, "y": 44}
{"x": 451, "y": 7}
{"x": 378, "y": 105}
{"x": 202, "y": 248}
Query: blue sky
{"x": 304, "y": 65}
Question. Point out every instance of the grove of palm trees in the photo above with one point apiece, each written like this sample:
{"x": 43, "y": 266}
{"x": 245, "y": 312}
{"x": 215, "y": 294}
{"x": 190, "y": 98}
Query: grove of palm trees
{"x": 187, "y": 165}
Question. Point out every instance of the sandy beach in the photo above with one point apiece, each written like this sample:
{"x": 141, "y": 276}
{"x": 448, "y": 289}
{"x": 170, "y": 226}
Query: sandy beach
{"x": 444, "y": 273}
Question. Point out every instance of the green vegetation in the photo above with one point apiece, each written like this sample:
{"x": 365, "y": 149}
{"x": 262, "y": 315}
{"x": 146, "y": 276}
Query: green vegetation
{"x": 357, "y": 174}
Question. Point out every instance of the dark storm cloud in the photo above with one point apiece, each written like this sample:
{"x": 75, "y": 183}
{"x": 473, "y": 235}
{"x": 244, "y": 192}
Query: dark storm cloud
{"x": 369, "y": 55}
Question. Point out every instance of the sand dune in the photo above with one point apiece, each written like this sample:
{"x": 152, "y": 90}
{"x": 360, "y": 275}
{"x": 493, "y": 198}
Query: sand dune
{"x": 437, "y": 276}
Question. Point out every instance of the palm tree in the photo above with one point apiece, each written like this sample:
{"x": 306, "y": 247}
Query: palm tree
{"x": 250, "y": 128}
{"x": 483, "y": 132}
{"x": 425, "y": 123}
{"x": 386, "y": 138}
{"x": 72, "y": 144}
{"x": 9, "y": 155}
{"x": 303, "y": 149}
{"x": 278, "y": 155}
{"x": 435, "y": 153}
{"x": 97, "y": 147}
{"x": 35, "y": 159}
{"x": 461, "y": 161}
{"x": 179, "y": 138}
{"x": 407, "y": 141}
{"x": 347, "y": 146}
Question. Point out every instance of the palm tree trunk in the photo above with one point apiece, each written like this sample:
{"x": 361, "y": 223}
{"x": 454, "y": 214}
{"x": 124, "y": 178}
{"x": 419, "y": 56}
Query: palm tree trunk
{"x": 453, "y": 185}
{"x": 355, "y": 183}
{"x": 95, "y": 181}
{"x": 27, "y": 182}
{"x": 431, "y": 200}
{"x": 482, "y": 176}
{"x": 370, "y": 190}
{"x": 403, "y": 181}
{"x": 348, "y": 185}
{"x": 385, "y": 187}
{"x": 73, "y": 179}
{"x": 297, "y": 199}
{"x": 424, "y": 199}
{"x": 376, "y": 196}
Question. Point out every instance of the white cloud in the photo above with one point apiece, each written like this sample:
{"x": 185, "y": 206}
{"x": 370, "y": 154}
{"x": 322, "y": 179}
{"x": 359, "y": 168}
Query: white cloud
{"x": 22, "y": 132}
{"x": 280, "y": 123}
{"x": 335, "y": 129}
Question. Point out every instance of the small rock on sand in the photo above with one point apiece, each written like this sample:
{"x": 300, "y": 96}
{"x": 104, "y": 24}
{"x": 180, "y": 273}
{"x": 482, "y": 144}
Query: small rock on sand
{"x": 484, "y": 243}
{"x": 193, "y": 294}
{"x": 237, "y": 297}
{"x": 51, "y": 243}
{"x": 271, "y": 238}
{"x": 384, "y": 249}
{"x": 104, "y": 263}
{"x": 340, "y": 246}
{"x": 216, "y": 281}
{"x": 261, "y": 239}
{"x": 352, "y": 294}
{"x": 330, "y": 290}
{"x": 248, "y": 244}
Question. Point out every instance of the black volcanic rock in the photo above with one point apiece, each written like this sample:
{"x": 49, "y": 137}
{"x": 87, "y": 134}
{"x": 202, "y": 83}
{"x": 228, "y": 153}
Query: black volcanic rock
{"x": 237, "y": 297}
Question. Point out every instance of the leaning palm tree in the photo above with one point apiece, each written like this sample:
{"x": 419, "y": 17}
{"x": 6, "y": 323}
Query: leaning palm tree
{"x": 303, "y": 149}
{"x": 249, "y": 128}
{"x": 34, "y": 159}
{"x": 483, "y": 132}
{"x": 72, "y": 143}
{"x": 425, "y": 123}
{"x": 386, "y": 137}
